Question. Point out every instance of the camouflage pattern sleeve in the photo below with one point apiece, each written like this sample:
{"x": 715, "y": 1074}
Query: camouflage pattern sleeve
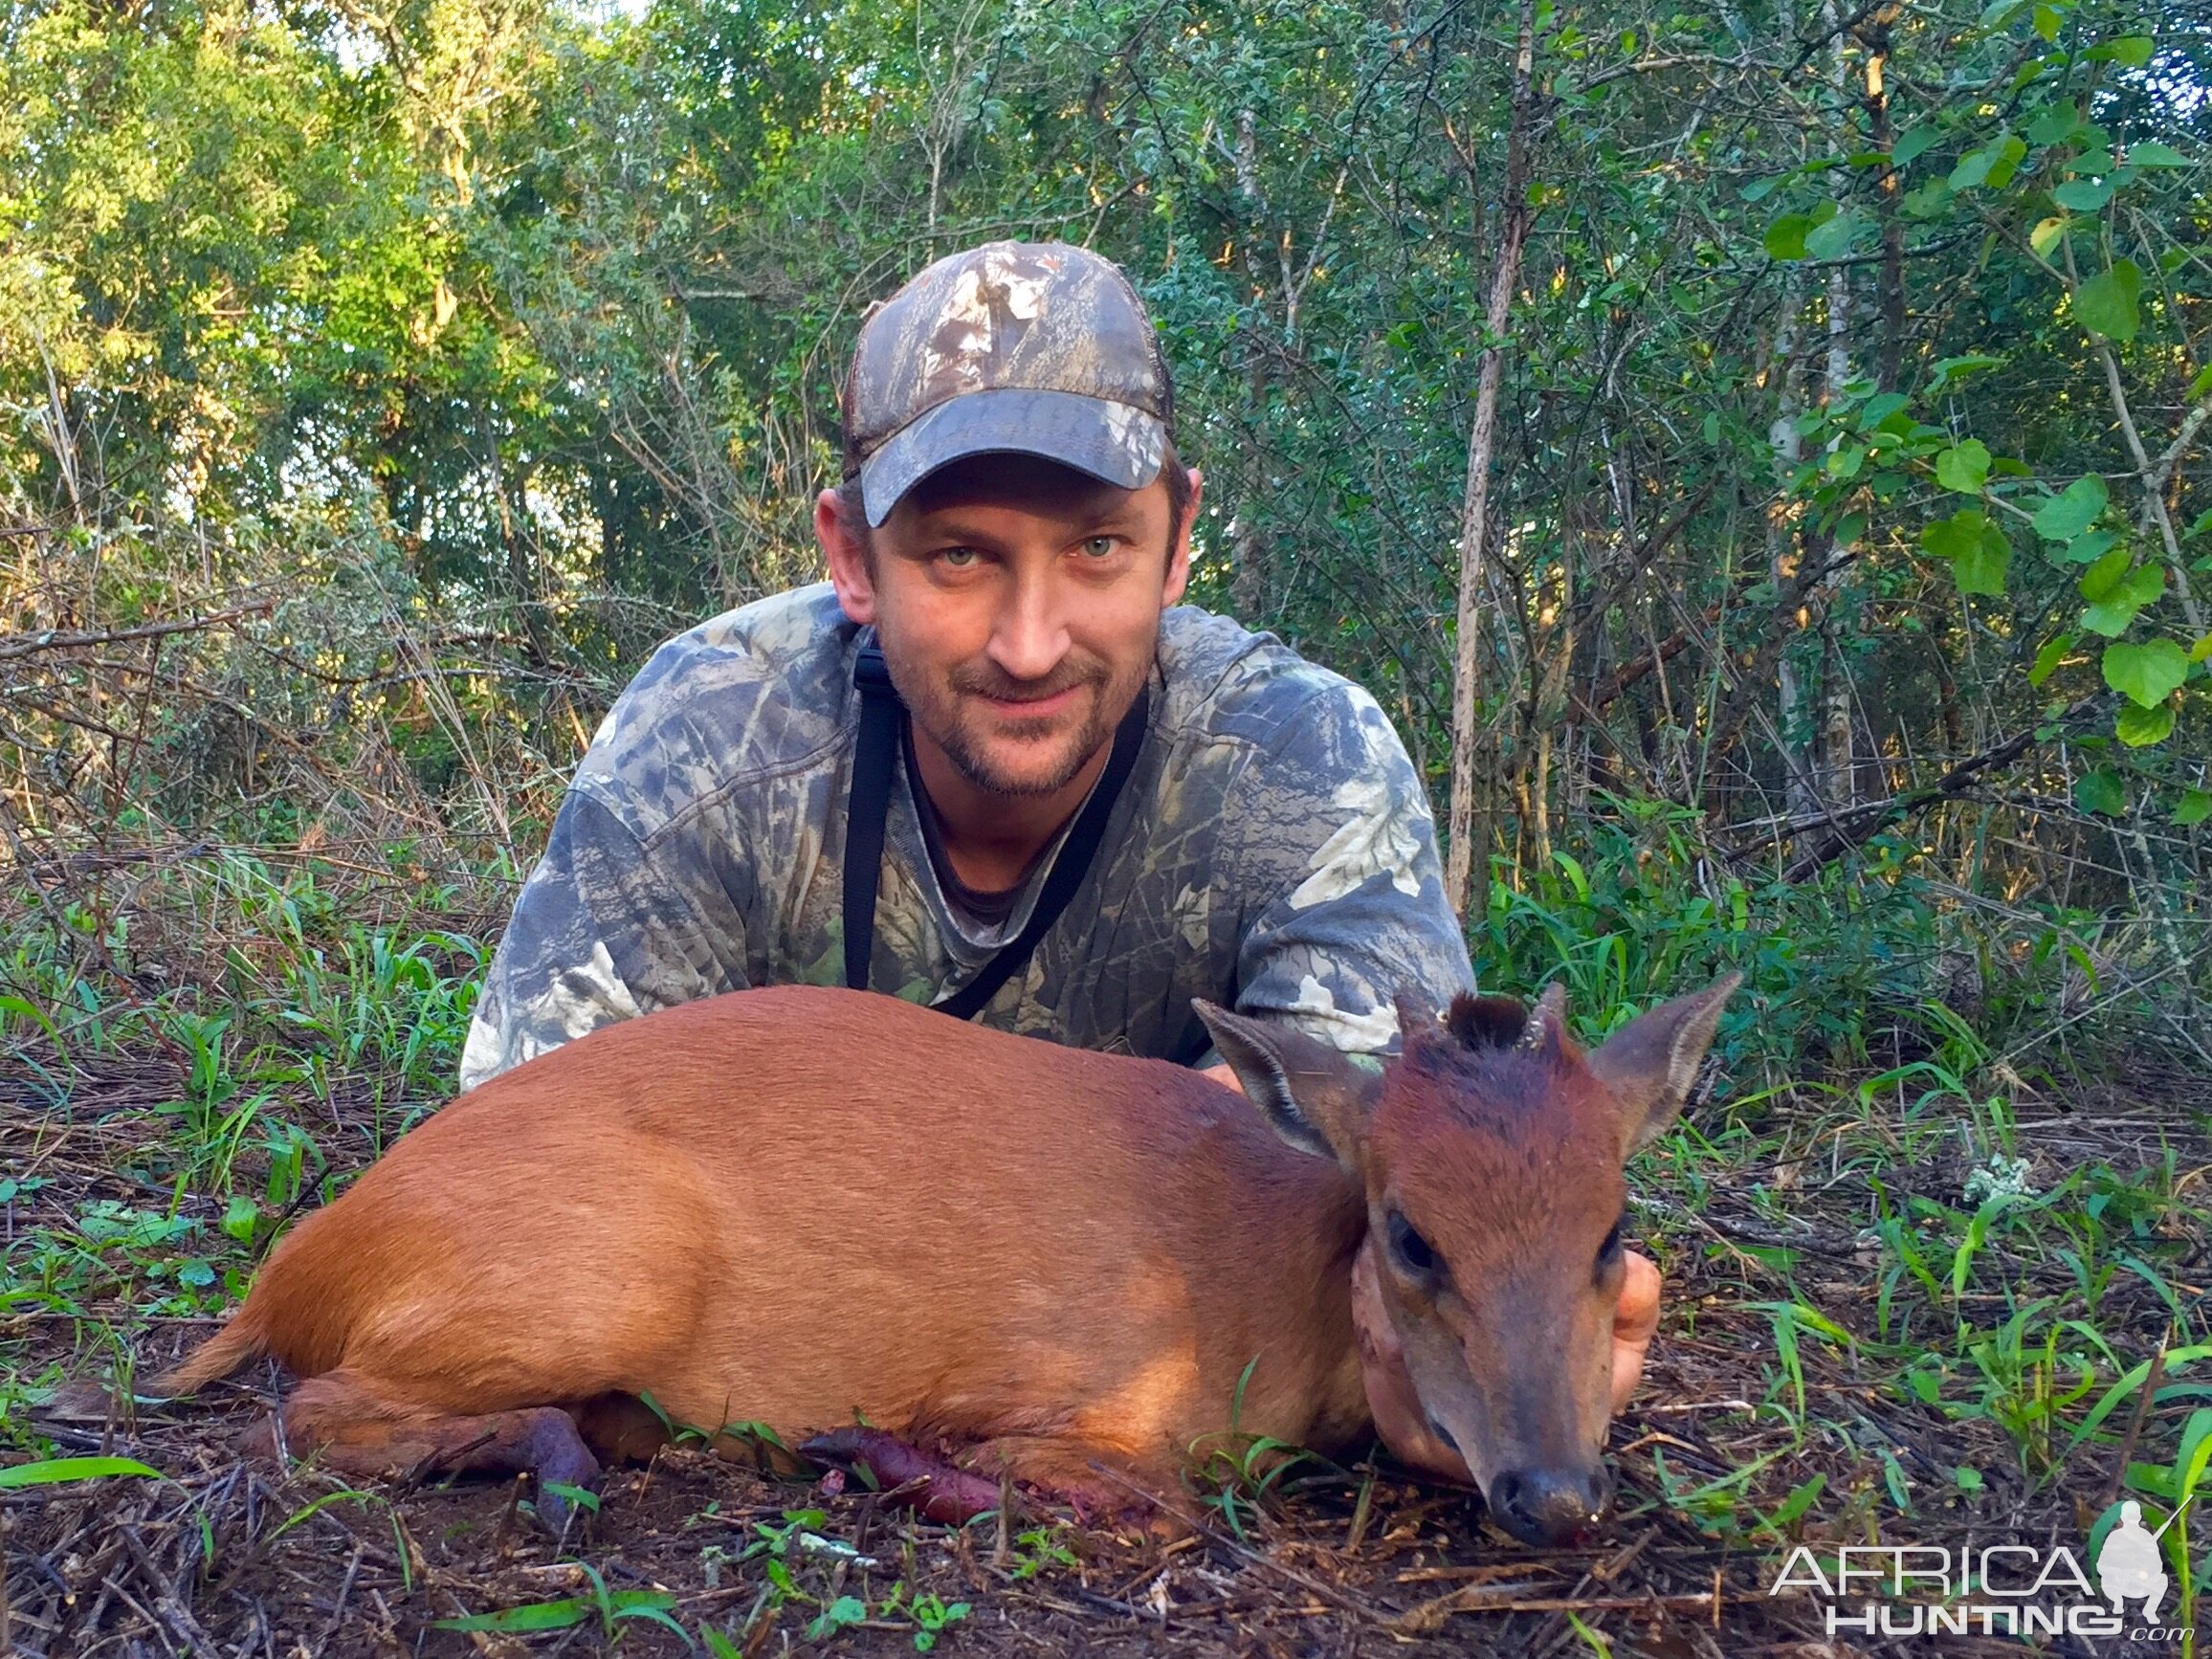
{"x": 1333, "y": 864}
{"x": 604, "y": 929}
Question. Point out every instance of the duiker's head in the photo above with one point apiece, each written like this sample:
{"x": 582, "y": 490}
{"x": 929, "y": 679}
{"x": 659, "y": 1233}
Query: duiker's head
{"x": 1491, "y": 1155}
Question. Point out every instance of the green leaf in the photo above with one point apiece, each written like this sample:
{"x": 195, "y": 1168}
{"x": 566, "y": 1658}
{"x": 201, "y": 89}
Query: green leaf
{"x": 1832, "y": 239}
{"x": 1963, "y": 467}
{"x": 2048, "y": 659}
{"x": 2046, "y": 22}
{"x": 1785, "y": 237}
{"x": 2196, "y": 806}
{"x": 2152, "y": 154}
{"x": 1993, "y": 164}
{"x": 2149, "y": 672}
{"x": 2139, "y": 728}
{"x": 2054, "y": 123}
{"x": 1973, "y": 168}
{"x": 2111, "y": 615}
{"x": 1952, "y": 368}
{"x": 2201, "y": 384}
{"x": 2101, "y": 791}
{"x": 239, "y": 1216}
{"x": 2082, "y": 195}
{"x": 843, "y": 1611}
{"x": 1914, "y": 143}
{"x": 2067, "y": 513}
{"x": 1956, "y": 536}
{"x": 2009, "y": 155}
{"x": 2099, "y": 581}
{"x": 535, "y": 1616}
{"x": 2106, "y": 305}
{"x": 568, "y": 1611}
{"x": 54, "y": 1470}
{"x": 1794, "y": 1506}
{"x": 2131, "y": 50}
{"x": 1983, "y": 570}
{"x": 2047, "y": 232}
{"x": 2088, "y": 548}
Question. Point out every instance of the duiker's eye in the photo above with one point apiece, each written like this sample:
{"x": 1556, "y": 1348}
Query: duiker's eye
{"x": 1610, "y": 1252}
{"x": 1410, "y": 1248}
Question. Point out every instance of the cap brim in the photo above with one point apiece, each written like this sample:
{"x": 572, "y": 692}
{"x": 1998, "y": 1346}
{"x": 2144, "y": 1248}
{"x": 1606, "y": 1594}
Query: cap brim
{"x": 1113, "y": 442}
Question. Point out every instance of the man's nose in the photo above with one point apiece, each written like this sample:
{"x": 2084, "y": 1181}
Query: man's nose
{"x": 1031, "y": 634}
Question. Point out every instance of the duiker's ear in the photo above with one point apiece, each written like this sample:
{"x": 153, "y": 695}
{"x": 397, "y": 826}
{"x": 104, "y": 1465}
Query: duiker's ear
{"x": 1649, "y": 1063}
{"x": 1315, "y": 1098}
{"x": 1547, "y": 1033}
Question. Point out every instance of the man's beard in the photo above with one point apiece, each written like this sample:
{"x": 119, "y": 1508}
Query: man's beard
{"x": 942, "y": 711}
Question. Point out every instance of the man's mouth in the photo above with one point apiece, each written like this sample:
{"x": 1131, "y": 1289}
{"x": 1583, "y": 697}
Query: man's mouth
{"x": 1030, "y": 708}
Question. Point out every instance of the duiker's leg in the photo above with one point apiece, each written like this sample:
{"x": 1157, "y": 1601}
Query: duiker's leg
{"x": 925, "y": 1482}
{"x": 361, "y": 1427}
{"x": 1100, "y": 1483}
{"x": 1057, "y": 1468}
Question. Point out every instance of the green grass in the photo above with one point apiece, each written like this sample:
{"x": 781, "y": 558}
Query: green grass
{"x": 220, "y": 1098}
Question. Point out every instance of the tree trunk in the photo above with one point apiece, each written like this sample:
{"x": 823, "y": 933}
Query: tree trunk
{"x": 1832, "y": 785}
{"x": 1881, "y": 135}
{"x": 1464, "y": 842}
{"x": 1786, "y": 373}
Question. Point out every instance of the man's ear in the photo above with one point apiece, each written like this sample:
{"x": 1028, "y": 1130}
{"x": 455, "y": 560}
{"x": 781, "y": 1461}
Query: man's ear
{"x": 1179, "y": 544}
{"x": 1316, "y": 1099}
{"x": 1649, "y": 1063}
{"x": 845, "y": 545}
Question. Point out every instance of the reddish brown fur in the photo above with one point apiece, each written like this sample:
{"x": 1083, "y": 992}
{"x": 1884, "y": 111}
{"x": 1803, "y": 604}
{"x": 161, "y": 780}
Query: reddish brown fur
{"x": 1522, "y": 1369}
{"x": 790, "y": 1206}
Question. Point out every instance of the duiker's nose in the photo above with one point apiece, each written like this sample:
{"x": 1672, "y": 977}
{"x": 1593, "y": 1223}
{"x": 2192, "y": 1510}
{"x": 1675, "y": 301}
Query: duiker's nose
{"x": 1550, "y": 1506}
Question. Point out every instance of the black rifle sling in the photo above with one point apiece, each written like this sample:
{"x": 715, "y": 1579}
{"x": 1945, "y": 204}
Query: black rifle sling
{"x": 881, "y": 711}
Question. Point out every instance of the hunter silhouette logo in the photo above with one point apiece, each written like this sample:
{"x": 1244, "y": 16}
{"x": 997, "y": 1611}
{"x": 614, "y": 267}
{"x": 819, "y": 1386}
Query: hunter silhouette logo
{"x": 2130, "y": 1566}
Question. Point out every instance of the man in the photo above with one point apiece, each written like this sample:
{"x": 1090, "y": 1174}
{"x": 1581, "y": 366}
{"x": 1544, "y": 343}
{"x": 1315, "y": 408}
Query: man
{"x": 1057, "y": 801}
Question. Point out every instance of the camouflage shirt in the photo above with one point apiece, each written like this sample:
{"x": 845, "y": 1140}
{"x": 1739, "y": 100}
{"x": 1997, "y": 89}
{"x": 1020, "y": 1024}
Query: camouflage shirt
{"x": 1272, "y": 850}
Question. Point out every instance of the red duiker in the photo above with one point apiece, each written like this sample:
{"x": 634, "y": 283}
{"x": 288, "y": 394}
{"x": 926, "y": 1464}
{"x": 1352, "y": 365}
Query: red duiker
{"x": 792, "y": 1205}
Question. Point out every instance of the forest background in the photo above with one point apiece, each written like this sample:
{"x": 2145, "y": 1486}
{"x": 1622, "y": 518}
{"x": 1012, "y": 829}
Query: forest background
{"x": 1756, "y": 452}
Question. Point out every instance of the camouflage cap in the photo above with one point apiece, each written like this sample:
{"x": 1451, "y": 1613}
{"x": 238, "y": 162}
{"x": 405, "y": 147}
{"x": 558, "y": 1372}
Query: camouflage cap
{"x": 1034, "y": 347}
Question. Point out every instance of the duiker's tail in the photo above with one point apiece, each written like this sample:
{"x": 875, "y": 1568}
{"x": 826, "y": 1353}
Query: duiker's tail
{"x": 237, "y": 1345}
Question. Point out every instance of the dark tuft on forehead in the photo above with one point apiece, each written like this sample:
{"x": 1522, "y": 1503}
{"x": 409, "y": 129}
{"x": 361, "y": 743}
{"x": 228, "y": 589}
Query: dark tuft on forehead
{"x": 1480, "y": 1054}
{"x": 1485, "y": 1022}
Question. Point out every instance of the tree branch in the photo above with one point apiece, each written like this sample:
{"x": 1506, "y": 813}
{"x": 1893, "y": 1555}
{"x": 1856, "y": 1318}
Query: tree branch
{"x": 19, "y": 645}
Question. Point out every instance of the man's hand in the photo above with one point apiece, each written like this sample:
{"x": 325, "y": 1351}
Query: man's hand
{"x": 1398, "y": 1415}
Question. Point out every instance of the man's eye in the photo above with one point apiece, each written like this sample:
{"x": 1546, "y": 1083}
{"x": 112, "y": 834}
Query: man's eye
{"x": 960, "y": 558}
{"x": 1101, "y": 546}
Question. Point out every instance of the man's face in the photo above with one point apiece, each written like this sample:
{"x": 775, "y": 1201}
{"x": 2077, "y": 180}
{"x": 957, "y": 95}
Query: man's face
{"x": 1018, "y": 605}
